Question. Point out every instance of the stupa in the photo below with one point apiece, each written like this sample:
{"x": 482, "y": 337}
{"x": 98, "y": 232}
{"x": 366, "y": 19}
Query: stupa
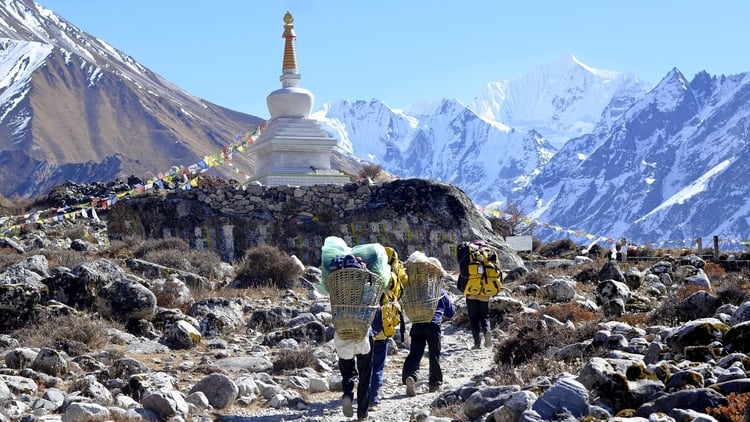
{"x": 293, "y": 149}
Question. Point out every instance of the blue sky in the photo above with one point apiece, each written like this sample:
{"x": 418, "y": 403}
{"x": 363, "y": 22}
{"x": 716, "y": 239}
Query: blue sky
{"x": 402, "y": 52}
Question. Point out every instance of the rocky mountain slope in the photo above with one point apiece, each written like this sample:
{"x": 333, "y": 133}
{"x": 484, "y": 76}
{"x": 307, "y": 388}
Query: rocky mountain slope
{"x": 73, "y": 107}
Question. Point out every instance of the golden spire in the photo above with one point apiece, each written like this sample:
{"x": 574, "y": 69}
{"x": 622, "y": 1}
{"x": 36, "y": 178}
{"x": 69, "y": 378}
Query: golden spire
{"x": 290, "y": 59}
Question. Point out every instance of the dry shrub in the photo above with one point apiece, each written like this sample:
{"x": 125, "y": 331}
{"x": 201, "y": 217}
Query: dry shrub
{"x": 734, "y": 288}
{"x": 733, "y": 411}
{"x": 8, "y": 257}
{"x": 76, "y": 231}
{"x": 67, "y": 258}
{"x": 634, "y": 319}
{"x": 370, "y": 171}
{"x": 569, "y": 312}
{"x": 533, "y": 337}
{"x": 673, "y": 310}
{"x": 714, "y": 270}
{"x": 558, "y": 249}
{"x": 267, "y": 266}
{"x": 450, "y": 411}
{"x": 171, "y": 258}
{"x": 73, "y": 333}
{"x": 535, "y": 366}
{"x": 169, "y": 243}
{"x": 205, "y": 263}
{"x": 288, "y": 359}
{"x": 123, "y": 248}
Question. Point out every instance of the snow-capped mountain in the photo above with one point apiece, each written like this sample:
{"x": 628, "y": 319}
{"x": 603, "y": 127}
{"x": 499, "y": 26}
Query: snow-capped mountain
{"x": 654, "y": 166}
{"x": 496, "y": 146}
{"x": 561, "y": 100}
{"x": 73, "y": 107}
{"x": 448, "y": 143}
{"x": 670, "y": 168}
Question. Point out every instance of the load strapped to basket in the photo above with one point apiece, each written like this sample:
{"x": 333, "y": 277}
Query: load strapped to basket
{"x": 422, "y": 290}
{"x": 352, "y": 278}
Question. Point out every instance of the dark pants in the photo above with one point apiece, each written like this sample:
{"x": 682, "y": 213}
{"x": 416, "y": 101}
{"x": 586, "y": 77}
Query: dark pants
{"x": 379, "y": 352}
{"x": 424, "y": 334}
{"x": 360, "y": 373}
{"x": 479, "y": 317}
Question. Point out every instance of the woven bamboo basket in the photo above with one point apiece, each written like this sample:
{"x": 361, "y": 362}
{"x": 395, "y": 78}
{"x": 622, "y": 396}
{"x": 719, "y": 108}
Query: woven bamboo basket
{"x": 421, "y": 292}
{"x": 355, "y": 297}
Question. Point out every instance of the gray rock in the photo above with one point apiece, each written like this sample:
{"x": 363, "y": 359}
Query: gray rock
{"x": 165, "y": 403}
{"x": 220, "y": 390}
{"x": 85, "y": 412}
{"x": 565, "y": 396}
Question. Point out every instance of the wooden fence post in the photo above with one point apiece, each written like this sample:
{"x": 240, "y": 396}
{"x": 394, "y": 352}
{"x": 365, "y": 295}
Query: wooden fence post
{"x": 699, "y": 241}
{"x": 716, "y": 248}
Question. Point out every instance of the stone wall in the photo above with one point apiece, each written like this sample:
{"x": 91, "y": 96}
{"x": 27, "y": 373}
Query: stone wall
{"x": 410, "y": 215}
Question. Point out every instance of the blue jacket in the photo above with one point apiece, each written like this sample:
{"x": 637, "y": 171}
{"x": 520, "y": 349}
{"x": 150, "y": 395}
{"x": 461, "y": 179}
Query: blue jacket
{"x": 377, "y": 322}
{"x": 444, "y": 309}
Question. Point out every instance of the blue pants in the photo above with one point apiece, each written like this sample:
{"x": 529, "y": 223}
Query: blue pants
{"x": 379, "y": 352}
{"x": 358, "y": 371}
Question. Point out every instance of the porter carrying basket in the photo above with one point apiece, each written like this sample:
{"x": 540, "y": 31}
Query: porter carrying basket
{"x": 355, "y": 297}
{"x": 421, "y": 292}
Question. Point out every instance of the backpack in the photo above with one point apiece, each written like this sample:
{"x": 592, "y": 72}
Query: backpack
{"x": 346, "y": 261}
{"x": 389, "y": 303}
{"x": 479, "y": 269}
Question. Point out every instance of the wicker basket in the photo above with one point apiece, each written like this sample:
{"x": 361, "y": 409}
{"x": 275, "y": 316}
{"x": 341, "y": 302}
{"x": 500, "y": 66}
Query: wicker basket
{"x": 355, "y": 297}
{"x": 421, "y": 292}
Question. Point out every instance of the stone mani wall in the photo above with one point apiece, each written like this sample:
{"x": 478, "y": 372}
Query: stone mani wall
{"x": 410, "y": 215}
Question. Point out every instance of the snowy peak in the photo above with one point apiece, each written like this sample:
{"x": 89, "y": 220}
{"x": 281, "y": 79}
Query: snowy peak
{"x": 561, "y": 100}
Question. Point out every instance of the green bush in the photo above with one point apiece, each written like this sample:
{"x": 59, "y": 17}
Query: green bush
{"x": 264, "y": 266}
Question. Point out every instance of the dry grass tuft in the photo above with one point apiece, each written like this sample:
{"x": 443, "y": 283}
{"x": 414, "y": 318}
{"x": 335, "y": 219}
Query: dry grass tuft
{"x": 73, "y": 333}
{"x": 67, "y": 258}
{"x": 569, "y": 312}
{"x": 8, "y": 257}
{"x": 537, "y": 366}
{"x": 733, "y": 288}
{"x": 534, "y": 337}
{"x": 288, "y": 359}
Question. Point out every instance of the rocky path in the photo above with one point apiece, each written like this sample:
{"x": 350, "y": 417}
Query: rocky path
{"x": 460, "y": 365}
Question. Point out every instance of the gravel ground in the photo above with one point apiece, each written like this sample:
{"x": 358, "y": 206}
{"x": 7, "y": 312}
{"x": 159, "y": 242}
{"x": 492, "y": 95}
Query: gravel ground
{"x": 460, "y": 365}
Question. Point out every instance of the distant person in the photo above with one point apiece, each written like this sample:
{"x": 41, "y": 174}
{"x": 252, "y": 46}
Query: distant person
{"x": 427, "y": 334}
{"x": 479, "y": 280}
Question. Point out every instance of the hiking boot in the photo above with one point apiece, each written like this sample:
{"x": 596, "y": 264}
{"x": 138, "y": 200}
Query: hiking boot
{"x": 434, "y": 388}
{"x": 361, "y": 416}
{"x": 374, "y": 405}
{"x": 487, "y": 339}
{"x": 346, "y": 406}
{"x": 477, "y": 346}
{"x": 411, "y": 387}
